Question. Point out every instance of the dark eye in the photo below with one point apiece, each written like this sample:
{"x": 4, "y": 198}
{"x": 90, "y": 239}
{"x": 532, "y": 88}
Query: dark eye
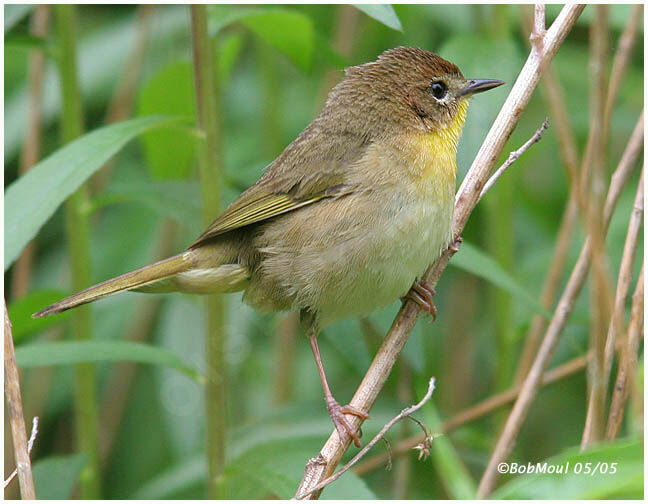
{"x": 439, "y": 90}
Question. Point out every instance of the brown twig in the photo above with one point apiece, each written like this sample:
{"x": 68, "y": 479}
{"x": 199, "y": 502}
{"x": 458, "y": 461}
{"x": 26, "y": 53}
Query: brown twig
{"x": 468, "y": 195}
{"x": 514, "y": 156}
{"x": 405, "y": 413}
{"x": 15, "y": 411}
{"x": 620, "y": 63}
{"x": 628, "y": 364}
{"x": 30, "y": 445}
{"x": 563, "y": 310}
{"x": 592, "y": 194}
{"x": 473, "y": 413}
{"x": 30, "y": 152}
{"x": 615, "y": 327}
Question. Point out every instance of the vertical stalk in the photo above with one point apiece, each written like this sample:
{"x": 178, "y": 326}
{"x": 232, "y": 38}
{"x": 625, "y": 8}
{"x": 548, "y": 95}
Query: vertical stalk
{"x": 499, "y": 240}
{"x": 78, "y": 240}
{"x": 210, "y": 165}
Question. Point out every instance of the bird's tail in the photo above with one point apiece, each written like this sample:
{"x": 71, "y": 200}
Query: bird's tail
{"x": 131, "y": 280}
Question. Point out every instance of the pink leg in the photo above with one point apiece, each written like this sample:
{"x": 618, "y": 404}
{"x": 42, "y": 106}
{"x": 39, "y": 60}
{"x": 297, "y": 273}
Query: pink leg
{"x": 336, "y": 412}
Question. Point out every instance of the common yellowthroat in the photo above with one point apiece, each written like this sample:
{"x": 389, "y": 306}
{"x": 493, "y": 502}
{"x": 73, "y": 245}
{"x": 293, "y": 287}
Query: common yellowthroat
{"x": 347, "y": 218}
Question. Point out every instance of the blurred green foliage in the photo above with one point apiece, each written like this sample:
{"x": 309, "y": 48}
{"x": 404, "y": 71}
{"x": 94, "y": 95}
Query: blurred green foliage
{"x": 273, "y": 66}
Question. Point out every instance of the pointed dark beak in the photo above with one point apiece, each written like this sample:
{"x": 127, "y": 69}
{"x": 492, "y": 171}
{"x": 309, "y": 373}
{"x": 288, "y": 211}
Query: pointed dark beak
{"x": 478, "y": 86}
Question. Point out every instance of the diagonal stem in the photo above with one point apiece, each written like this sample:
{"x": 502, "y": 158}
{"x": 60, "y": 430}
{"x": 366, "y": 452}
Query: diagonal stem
{"x": 465, "y": 202}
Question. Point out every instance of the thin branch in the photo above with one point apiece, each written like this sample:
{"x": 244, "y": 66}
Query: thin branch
{"x": 620, "y": 63}
{"x": 405, "y": 413}
{"x": 592, "y": 189}
{"x": 513, "y": 157}
{"x": 15, "y": 411}
{"x": 30, "y": 445}
{"x": 465, "y": 201}
{"x": 475, "y": 412}
{"x": 615, "y": 327}
{"x": 563, "y": 310}
{"x": 626, "y": 373}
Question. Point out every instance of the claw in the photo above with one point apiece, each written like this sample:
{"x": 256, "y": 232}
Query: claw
{"x": 342, "y": 425}
{"x": 421, "y": 293}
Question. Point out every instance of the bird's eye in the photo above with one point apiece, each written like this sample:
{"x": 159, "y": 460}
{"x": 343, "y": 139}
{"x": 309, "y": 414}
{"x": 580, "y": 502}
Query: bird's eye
{"x": 439, "y": 90}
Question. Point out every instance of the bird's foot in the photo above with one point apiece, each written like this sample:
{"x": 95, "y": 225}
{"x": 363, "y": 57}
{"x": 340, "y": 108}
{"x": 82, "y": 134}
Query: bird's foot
{"x": 421, "y": 293}
{"x": 342, "y": 425}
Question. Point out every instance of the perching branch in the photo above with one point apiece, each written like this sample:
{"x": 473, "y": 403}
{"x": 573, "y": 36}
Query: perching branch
{"x": 467, "y": 198}
{"x": 15, "y": 412}
{"x": 405, "y": 413}
{"x": 563, "y": 310}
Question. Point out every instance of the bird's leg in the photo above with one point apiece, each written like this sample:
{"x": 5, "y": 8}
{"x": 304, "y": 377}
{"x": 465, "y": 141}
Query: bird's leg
{"x": 421, "y": 293}
{"x": 336, "y": 412}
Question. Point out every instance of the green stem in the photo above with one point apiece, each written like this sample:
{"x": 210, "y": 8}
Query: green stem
{"x": 210, "y": 165}
{"x": 78, "y": 239}
{"x": 500, "y": 235}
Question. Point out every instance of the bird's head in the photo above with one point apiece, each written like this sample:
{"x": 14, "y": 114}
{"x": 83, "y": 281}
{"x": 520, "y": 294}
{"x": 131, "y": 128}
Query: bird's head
{"x": 409, "y": 88}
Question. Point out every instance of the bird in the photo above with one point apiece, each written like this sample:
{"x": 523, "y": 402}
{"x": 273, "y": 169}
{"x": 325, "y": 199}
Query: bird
{"x": 347, "y": 218}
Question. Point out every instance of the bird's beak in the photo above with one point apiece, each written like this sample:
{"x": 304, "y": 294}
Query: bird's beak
{"x": 479, "y": 85}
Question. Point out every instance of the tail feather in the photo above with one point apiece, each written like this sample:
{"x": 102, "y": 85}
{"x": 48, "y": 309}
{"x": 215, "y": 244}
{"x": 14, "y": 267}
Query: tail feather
{"x": 131, "y": 280}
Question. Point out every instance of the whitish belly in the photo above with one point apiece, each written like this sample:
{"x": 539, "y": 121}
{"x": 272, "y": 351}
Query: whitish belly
{"x": 387, "y": 259}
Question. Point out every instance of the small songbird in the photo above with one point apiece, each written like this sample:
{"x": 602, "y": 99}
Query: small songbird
{"x": 347, "y": 218}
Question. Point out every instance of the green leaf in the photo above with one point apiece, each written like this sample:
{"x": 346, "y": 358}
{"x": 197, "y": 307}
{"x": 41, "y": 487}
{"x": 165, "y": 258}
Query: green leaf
{"x": 383, "y": 13}
{"x": 13, "y": 14}
{"x": 55, "y": 477}
{"x": 32, "y": 199}
{"x": 170, "y": 151}
{"x": 20, "y": 313}
{"x": 573, "y": 483}
{"x": 291, "y": 32}
{"x": 62, "y": 353}
{"x": 471, "y": 259}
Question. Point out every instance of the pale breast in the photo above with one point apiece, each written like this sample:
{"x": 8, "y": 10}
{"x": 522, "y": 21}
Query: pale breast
{"x": 350, "y": 256}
